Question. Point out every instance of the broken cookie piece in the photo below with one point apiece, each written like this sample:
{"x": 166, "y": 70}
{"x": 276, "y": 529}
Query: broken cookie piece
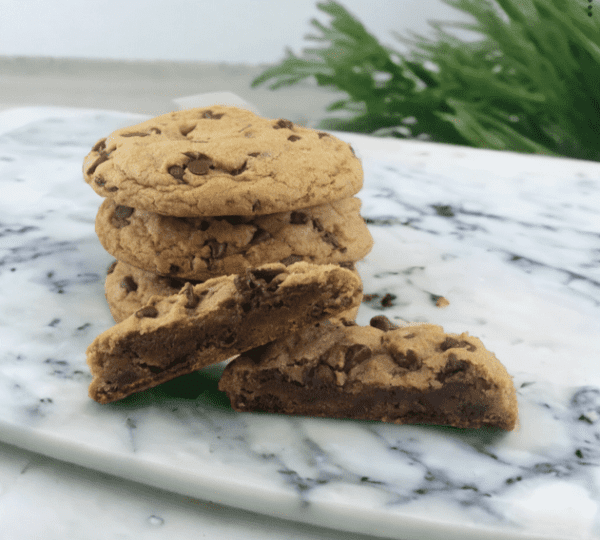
{"x": 209, "y": 322}
{"x": 414, "y": 374}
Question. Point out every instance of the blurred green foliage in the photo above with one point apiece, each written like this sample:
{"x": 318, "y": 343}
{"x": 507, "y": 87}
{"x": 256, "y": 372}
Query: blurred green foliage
{"x": 530, "y": 84}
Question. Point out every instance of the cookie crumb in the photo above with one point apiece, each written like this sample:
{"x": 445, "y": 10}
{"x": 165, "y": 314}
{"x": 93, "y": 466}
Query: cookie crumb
{"x": 442, "y": 302}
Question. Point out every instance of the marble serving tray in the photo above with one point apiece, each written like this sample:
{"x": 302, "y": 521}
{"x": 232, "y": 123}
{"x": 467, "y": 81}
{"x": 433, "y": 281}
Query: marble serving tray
{"x": 511, "y": 242}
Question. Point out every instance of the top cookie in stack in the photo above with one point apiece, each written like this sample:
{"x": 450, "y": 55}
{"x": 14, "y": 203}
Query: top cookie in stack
{"x": 213, "y": 191}
{"x": 221, "y": 161}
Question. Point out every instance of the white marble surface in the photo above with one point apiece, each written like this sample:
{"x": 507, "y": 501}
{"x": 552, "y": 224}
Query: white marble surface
{"x": 511, "y": 241}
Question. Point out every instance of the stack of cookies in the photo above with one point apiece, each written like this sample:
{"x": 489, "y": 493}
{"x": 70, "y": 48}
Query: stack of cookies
{"x": 237, "y": 235}
{"x": 203, "y": 193}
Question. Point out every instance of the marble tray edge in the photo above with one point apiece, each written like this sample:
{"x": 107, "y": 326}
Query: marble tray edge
{"x": 272, "y": 503}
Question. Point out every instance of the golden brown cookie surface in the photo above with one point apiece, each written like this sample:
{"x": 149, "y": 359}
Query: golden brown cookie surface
{"x": 221, "y": 161}
{"x": 411, "y": 374}
{"x": 201, "y": 248}
{"x": 128, "y": 289}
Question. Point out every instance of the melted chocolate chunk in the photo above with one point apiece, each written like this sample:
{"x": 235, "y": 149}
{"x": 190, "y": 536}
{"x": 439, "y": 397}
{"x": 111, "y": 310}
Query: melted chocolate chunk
{"x": 383, "y": 323}
{"x": 100, "y": 146}
{"x": 283, "y": 124}
{"x": 331, "y": 239}
{"x": 294, "y": 138}
{"x": 217, "y": 249}
{"x": 452, "y": 367}
{"x": 355, "y": 355}
{"x": 298, "y": 218}
{"x": 200, "y": 166}
{"x": 319, "y": 375}
{"x": 239, "y": 170}
{"x": 192, "y": 299}
{"x": 135, "y": 134}
{"x": 318, "y": 225}
{"x": 322, "y": 134}
{"x": 98, "y": 161}
{"x": 266, "y": 275}
{"x": 129, "y": 284}
{"x": 211, "y": 115}
{"x": 176, "y": 172}
{"x": 123, "y": 212}
{"x": 408, "y": 360}
{"x": 254, "y": 154}
{"x": 291, "y": 259}
{"x": 451, "y": 343}
{"x": 260, "y": 236}
{"x": 147, "y": 311}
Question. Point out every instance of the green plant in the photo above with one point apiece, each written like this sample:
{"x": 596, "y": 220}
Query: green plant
{"x": 531, "y": 84}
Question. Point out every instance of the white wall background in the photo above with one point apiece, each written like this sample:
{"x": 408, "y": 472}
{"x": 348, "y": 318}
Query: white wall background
{"x": 232, "y": 31}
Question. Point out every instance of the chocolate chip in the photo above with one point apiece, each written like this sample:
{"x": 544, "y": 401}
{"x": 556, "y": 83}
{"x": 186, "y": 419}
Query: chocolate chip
{"x": 123, "y": 212}
{"x": 100, "y": 146}
{"x": 129, "y": 284}
{"x": 451, "y": 343}
{"x": 100, "y": 181}
{"x": 98, "y": 161}
{"x": 112, "y": 189}
{"x": 321, "y": 135}
{"x": 298, "y": 218}
{"x": 349, "y": 323}
{"x": 267, "y": 275}
{"x": 291, "y": 259}
{"x": 260, "y": 236}
{"x": 331, "y": 239}
{"x": 111, "y": 268}
{"x": 236, "y": 220}
{"x": 282, "y": 123}
{"x": 294, "y": 138}
{"x": 355, "y": 355}
{"x": 383, "y": 323}
{"x": 319, "y": 375}
{"x": 217, "y": 249}
{"x": 408, "y": 360}
{"x": 176, "y": 171}
{"x": 200, "y": 166}
{"x": 135, "y": 134}
{"x": 148, "y": 311}
{"x": 318, "y": 225}
{"x": 192, "y": 299}
{"x": 254, "y": 154}
{"x": 256, "y": 206}
{"x": 211, "y": 115}
{"x": 239, "y": 170}
{"x": 453, "y": 367}
{"x": 175, "y": 283}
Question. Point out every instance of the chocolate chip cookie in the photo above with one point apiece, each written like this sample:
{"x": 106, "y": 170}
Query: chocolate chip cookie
{"x": 206, "y": 323}
{"x": 221, "y": 161}
{"x": 406, "y": 375}
{"x": 128, "y": 289}
{"x": 201, "y": 248}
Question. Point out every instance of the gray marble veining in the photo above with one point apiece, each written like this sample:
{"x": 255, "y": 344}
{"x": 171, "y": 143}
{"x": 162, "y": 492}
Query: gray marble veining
{"x": 517, "y": 255}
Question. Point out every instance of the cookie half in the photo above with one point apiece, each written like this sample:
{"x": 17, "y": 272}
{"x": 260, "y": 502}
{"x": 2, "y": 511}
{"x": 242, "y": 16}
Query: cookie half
{"x": 201, "y": 248}
{"x": 221, "y": 161}
{"x": 413, "y": 374}
{"x": 210, "y": 322}
{"x": 128, "y": 289}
